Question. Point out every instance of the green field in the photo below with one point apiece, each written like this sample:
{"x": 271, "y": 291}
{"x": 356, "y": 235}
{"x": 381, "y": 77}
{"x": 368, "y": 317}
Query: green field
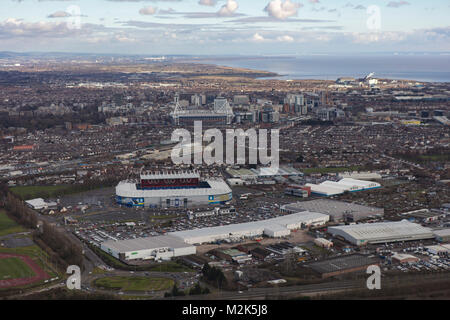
{"x": 32, "y": 192}
{"x": 426, "y": 158}
{"x": 134, "y": 283}
{"x": 8, "y": 226}
{"x": 14, "y": 268}
{"x": 35, "y": 253}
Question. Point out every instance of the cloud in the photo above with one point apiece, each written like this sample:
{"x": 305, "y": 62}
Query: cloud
{"x": 285, "y": 38}
{"x": 272, "y": 19}
{"x": 398, "y": 4}
{"x": 148, "y": 11}
{"x": 17, "y": 28}
{"x": 228, "y": 9}
{"x": 59, "y": 14}
{"x": 282, "y": 10}
{"x": 258, "y": 38}
{"x": 209, "y": 3}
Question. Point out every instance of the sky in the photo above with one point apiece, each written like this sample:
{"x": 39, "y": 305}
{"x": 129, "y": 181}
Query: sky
{"x": 225, "y": 27}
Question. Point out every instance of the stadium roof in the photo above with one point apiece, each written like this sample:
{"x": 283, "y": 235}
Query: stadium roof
{"x": 149, "y": 243}
{"x": 129, "y": 189}
{"x": 170, "y": 175}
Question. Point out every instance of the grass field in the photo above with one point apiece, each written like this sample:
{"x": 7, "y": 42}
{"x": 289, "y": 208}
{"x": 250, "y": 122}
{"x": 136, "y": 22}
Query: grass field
{"x": 134, "y": 283}
{"x": 8, "y": 226}
{"x": 37, "y": 254}
{"x": 14, "y": 268}
{"x": 31, "y": 192}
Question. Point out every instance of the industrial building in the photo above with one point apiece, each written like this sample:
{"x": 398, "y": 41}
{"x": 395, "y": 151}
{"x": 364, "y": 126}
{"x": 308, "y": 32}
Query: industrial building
{"x": 263, "y": 173}
{"x": 404, "y": 258}
{"x": 323, "y": 243}
{"x": 215, "y": 212}
{"x": 439, "y": 250}
{"x": 360, "y": 175}
{"x": 341, "y": 265}
{"x": 172, "y": 190}
{"x": 424, "y": 215}
{"x": 337, "y": 210}
{"x": 382, "y": 232}
{"x": 442, "y": 235}
{"x": 40, "y": 204}
{"x": 333, "y": 188}
{"x": 275, "y": 228}
{"x": 151, "y": 248}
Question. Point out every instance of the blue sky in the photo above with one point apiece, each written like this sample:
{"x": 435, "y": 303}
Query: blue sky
{"x": 225, "y": 26}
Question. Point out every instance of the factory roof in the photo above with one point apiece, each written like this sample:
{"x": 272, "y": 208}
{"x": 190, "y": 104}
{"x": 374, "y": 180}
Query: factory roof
{"x": 255, "y": 226}
{"x": 149, "y": 243}
{"x": 383, "y": 230}
{"x": 442, "y": 232}
{"x": 330, "y": 188}
{"x": 331, "y": 207}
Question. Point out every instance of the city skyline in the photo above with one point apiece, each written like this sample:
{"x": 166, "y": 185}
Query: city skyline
{"x": 208, "y": 27}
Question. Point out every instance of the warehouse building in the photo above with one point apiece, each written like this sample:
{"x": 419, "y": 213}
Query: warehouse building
{"x": 442, "y": 235}
{"x": 382, "y": 232}
{"x": 337, "y": 210}
{"x": 323, "y": 243}
{"x": 40, "y": 204}
{"x": 404, "y": 258}
{"x": 151, "y": 248}
{"x": 439, "y": 250}
{"x": 342, "y": 265}
{"x": 424, "y": 215}
{"x": 275, "y": 228}
{"x": 333, "y": 188}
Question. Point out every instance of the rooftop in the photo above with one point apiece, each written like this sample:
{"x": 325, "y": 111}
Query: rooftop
{"x": 373, "y": 231}
{"x": 331, "y": 207}
{"x": 144, "y": 244}
{"x": 341, "y": 263}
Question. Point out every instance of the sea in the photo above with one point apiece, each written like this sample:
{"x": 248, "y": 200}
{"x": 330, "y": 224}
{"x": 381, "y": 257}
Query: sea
{"x": 423, "y": 68}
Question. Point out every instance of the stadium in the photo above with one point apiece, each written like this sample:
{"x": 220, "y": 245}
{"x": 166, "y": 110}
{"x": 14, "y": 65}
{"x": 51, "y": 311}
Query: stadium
{"x": 172, "y": 190}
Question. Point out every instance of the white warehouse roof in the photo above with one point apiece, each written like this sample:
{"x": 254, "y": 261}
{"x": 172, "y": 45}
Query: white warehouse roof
{"x": 331, "y": 188}
{"x": 149, "y": 243}
{"x": 252, "y": 229}
{"x": 381, "y": 232}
